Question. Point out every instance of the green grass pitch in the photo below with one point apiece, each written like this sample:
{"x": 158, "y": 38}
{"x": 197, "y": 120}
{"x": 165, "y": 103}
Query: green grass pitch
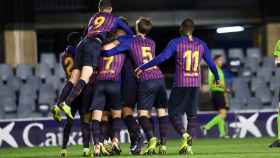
{"x": 203, "y": 148}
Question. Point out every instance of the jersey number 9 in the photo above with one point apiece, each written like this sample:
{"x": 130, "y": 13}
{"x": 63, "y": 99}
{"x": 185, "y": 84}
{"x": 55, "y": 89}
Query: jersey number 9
{"x": 99, "y": 21}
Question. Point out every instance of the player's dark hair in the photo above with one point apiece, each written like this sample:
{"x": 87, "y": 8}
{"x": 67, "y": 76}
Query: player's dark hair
{"x": 187, "y": 27}
{"x": 216, "y": 57}
{"x": 73, "y": 38}
{"x": 144, "y": 25}
{"x": 104, "y": 4}
{"x": 124, "y": 19}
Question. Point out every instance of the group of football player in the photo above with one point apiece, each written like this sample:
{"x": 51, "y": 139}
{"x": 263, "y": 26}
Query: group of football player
{"x": 111, "y": 72}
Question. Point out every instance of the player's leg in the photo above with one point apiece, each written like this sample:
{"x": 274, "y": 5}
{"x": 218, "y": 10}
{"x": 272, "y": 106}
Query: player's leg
{"x": 176, "y": 109}
{"x": 129, "y": 90}
{"x": 105, "y": 126}
{"x": 114, "y": 101}
{"x": 276, "y": 143}
{"x": 85, "y": 128}
{"x": 67, "y": 130}
{"x": 97, "y": 107}
{"x": 133, "y": 129}
{"x": 218, "y": 99}
{"x": 75, "y": 75}
{"x": 146, "y": 99}
{"x": 91, "y": 50}
{"x": 191, "y": 111}
{"x": 162, "y": 114}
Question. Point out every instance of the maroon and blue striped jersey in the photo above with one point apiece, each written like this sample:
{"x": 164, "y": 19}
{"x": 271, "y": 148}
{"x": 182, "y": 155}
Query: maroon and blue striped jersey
{"x": 189, "y": 54}
{"x": 68, "y": 57}
{"x": 102, "y": 23}
{"x": 142, "y": 50}
{"x": 109, "y": 68}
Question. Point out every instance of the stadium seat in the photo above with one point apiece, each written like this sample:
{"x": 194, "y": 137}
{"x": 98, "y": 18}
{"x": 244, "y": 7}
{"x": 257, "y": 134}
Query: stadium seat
{"x": 54, "y": 81}
{"x": 48, "y": 59}
{"x": 277, "y": 72}
{"x": 241, "y": 90}
{"x": 254, "y": 53}
{"x": 34, "y": 81}
{"x": 5, "y": 71}
{"x": 257, "y": 82}
{"x": 252, "y": 63}
{"x": 218, "y": 52}
{"x": 28, "y": 90}
{"x": 268, "y": 62}
{"x": 43, "y": 71}
{"x": 47, "y": 95}
{"x": 59, "y": 72}
{"x": 234, "y": 53}
{"x": 265, "y": 73}
{"x": 14, "y": 83}
{"x": 8, "y": 99}
{"x": 24, "y": 70}
{"x": 274, "y": 83}
{"x": 254, "y": 103}
{"x": 26, "y": 106}
{"x": 264, "y": 95}
{"x": 236, "y": 104}
{"x": 246, "y": 73}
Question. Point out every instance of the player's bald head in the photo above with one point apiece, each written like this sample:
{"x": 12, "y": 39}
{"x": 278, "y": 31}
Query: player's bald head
{"x": 105, "y": 5}
{"x": 187, "y": 26}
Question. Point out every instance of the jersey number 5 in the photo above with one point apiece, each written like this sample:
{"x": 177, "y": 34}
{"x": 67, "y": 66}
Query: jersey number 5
{"x": 192, "y": 63}
{"x": 147, "y": 55}
{"x": 99, "y": 21}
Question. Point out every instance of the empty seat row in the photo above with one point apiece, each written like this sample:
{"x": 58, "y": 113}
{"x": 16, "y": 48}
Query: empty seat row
{"x": 238, "y": 53}
{"x": 23, "y": 71}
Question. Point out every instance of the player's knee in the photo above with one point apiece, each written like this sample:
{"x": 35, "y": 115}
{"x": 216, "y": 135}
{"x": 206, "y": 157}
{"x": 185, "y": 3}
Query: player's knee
{"x": 105, "y": 116}
{"x": 116, "y": 113}
{"x": 127, "y": 111}
{"x": 86, "y": 118}
{"x": 75, "y": 75}
{"x": 97, "y": 115}
{"x": 143, "y": 113}
{"x": 86, "y": 73}
{"x": 161, "y": 112}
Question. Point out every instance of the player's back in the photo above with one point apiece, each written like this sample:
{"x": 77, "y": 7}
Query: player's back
{"x": 100, "y": 24}
{"x": 189, "y": 53}
{"x": 109, "y": 68}
{"x": 143, "y": 51}
{"x": 68, "y": 57}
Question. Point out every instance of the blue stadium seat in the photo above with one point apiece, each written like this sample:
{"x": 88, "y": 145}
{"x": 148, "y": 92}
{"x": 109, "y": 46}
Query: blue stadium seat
{"x": 265, "y": 73}
{"x": 34, "y": 81}
{"x": 24, "y": 70}
{"x": 59, "y": 72}
{"x": 264, "y": 94}
{"x": 234, "y": 53}
{"x": 48, "y": 59}
{"x": 14, "y": 83}
{"x": 268, "y": 62}
{"x": 254, "y": 103}
{"x": 253, "y": 53}
{"x": 8, "y": 99}
{"x": 26, "y": 107}
{"x": 43, "y": 71}
{"x": 5, "y": 71}
{"x": 252, "y": 63}
{"x": 257, "y": 82}
{"x": 47, "y": 95}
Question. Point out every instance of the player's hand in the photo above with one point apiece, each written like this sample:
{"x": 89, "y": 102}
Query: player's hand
{"x": 218, "y": 83}
{"x": 138, "y": 72}
{"x": 110, "y": 45}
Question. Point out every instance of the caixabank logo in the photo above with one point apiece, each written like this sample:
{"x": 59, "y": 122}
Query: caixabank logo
{"x": 46, "y": 132}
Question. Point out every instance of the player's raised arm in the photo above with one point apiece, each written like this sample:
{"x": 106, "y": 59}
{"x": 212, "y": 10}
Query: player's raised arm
{"x": 125, "y": 27}
{"x": 164, "y": 55}
{"x": 212, "y": 66}
{"x": 124, "y": 44}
